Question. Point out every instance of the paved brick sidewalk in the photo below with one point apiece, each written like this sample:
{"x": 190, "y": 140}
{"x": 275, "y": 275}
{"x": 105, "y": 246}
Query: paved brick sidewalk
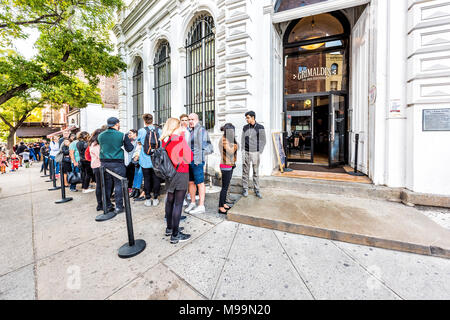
{"x": 52, "y": 251}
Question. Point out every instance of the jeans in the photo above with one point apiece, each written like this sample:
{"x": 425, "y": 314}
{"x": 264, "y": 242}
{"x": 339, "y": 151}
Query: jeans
{"x": 120, "y": 169}
{"x": 86, "y": 173}
{"x": 98, "y": 188}
{"x": 151, "y": 183}
{"x": 130, "y": 174}
{"x": 45, "y": 163}
{"x": 250, "y": 158}
{"x": 56, "y": 165}
{"x": 137, "y": 180}
{"x": 226, "y": 179}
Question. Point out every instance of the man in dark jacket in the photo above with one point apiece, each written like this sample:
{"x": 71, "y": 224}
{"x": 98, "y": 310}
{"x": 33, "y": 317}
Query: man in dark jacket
{"x": 253, "y": 143}
{"x": 112, "y": 157}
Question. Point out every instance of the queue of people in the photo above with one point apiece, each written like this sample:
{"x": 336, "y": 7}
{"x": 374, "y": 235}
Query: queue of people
{"x": 129, "y": 155}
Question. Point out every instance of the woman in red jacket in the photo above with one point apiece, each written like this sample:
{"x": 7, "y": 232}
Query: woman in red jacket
{"x": 181, "y": 155}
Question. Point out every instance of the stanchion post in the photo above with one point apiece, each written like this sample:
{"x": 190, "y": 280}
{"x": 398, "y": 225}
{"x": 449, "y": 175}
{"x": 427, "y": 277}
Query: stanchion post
{"x": 54, "y": 177}
{"x": 106, "y": 215}
{"x": 356, "y": 173}
{"x": 63, "y": 186}
{"x": 133, "y": 247}
{"x": 50, "y": 170}
{"x": 45, "y": 169}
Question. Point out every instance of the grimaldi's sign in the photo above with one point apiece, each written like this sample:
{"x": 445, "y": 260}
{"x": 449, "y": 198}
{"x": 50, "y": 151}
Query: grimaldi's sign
{"x": 317, "y": 73}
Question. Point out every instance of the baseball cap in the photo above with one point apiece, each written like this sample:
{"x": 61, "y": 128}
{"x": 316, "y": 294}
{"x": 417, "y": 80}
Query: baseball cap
{"x": 111, "y": 122}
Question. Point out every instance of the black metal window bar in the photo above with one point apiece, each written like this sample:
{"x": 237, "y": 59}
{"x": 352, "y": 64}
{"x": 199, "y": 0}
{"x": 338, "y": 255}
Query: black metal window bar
{"x": 200, "y": 70}
{"x": 138, "y": 97}
{"x": 162, "y": 83}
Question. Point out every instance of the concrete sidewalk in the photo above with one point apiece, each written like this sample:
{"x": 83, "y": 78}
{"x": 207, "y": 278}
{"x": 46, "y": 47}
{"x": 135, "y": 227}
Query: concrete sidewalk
{"x": 372, "y": 222}
{"x": 51, "y": 251}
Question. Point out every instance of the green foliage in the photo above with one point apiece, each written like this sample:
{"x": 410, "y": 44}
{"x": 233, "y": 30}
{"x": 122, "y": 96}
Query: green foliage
{"x": 73, "y": 40}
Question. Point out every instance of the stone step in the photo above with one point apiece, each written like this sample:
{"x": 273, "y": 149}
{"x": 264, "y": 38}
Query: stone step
{"x": 311, "y": 186}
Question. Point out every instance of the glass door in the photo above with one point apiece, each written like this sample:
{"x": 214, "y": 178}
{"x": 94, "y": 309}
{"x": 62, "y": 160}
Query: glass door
{"x": 336, "y": 126}
{"x": 299, "y": 128}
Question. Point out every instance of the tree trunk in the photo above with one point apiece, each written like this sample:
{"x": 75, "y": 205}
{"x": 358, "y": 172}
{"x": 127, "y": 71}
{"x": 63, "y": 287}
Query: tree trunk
{"x": 10, "y": 144}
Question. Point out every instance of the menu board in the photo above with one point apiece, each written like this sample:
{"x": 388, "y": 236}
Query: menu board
{"x": 436, "y": 120}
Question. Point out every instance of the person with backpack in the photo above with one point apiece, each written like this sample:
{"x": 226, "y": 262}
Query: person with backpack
{"x": 84, "y": 164}
{"x": 149, "y": 138}
{"x": 180, "y": 155}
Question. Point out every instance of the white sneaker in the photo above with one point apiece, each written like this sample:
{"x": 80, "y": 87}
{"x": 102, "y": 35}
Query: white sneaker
{"x": 185, "y": 203}
{"x": 199, "y": 209}
{"x": 88, "y": 190}
{"x": 155, "y": 202}
{"x": 148, "y": 203}
{"x": 190, "y": 207}
{"x": 197, "y": 197}
{"x": 188, "y": 197}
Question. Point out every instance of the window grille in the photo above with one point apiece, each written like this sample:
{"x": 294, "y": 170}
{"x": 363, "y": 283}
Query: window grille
{"x": 200, "y": 70}
{"x": 162, "y": 83}
{"x": 138, "y": 97}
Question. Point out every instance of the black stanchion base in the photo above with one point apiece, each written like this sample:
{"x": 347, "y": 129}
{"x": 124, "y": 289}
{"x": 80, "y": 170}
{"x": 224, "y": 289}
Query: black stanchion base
{"x": 64, "y": 200}
{"x": 55, "y": 188}
{"x": 358, "y": 174}
{"x": 127, "y": 251}
{"x": 105, "y": 216}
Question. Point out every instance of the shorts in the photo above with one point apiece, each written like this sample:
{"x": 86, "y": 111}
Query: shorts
{"x": 196, "y": 173}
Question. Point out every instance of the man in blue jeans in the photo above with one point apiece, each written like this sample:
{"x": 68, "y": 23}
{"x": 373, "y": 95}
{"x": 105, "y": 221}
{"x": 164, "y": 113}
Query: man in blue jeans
{"x": 112, "y": 157}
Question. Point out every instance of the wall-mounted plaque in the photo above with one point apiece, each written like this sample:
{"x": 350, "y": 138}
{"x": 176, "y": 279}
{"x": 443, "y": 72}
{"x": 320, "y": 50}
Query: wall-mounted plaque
{"x": 436, "y": 120}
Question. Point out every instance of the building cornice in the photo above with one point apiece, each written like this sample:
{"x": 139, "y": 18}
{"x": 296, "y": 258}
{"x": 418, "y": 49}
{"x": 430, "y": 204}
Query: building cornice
{"x": 314, "y": 9}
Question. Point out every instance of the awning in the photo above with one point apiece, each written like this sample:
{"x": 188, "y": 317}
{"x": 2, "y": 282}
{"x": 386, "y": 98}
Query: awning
{"x": 34, "y": 132}
{"x": 71, "y": 128}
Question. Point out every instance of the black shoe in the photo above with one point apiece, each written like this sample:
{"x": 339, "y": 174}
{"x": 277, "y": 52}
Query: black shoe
{"x": 182, "y": 217}
{"x": 139, "y": 199}
{"x": 99, "y": 208}
{"x": 119, "y": 210}
{"x": 226, "y": 211}
{"x": 169, "y": 231}
{"x": 110, "y": 209}
{"x": 180, "y": 237}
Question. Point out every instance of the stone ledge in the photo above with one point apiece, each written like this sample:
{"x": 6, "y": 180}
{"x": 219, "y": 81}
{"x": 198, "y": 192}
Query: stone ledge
{"x": 339, "y": 235}
{"x": 424, "y": 199}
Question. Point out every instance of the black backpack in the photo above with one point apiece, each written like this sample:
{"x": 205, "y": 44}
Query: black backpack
{"x": 162, "y": 165}
{"x": 151, "y": 141}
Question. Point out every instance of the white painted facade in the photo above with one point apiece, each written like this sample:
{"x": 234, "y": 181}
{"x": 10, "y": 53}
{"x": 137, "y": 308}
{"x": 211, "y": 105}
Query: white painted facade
{"x": 92, "y": 117}
{"x": 399, "y": 59}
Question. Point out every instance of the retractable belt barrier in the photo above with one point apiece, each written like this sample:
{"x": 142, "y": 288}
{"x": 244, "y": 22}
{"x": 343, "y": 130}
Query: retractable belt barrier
{"x": 133, "y": 247}
{"x": 63, "y": 186}
{"x": 53, "y": 175}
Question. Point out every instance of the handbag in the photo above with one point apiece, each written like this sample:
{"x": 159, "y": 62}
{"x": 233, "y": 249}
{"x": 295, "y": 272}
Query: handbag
{"x": 74, "y": 177}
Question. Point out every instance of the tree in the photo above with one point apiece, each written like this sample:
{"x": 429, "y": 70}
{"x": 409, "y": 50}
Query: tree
{"x": 18, "y": 109}
{"x": 73, "y": 39}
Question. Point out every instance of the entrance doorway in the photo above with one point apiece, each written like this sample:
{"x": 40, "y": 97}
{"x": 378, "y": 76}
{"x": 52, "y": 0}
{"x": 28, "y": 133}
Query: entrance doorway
{"x": 316, "y": 129}
{"x": 316, "y": 89}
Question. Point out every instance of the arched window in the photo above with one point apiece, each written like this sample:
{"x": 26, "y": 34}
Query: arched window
{"x": 200, "y": 70}
{"x": 138, "y": 96}
{"x": 162, "y": 83}
{"x": 334, "y": 69}
{"x": 283, "y": 5}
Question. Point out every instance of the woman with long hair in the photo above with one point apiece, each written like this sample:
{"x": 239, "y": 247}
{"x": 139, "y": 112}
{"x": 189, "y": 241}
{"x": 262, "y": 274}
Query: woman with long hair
{"x": 86, "y": 170}
{"x": 181, "y": 155}
{"x": 94, "y": 151}
{"x": 228, "y": 148}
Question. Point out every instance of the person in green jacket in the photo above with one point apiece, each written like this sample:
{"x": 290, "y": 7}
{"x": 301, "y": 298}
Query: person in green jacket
{"x": 112, "y": 144}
